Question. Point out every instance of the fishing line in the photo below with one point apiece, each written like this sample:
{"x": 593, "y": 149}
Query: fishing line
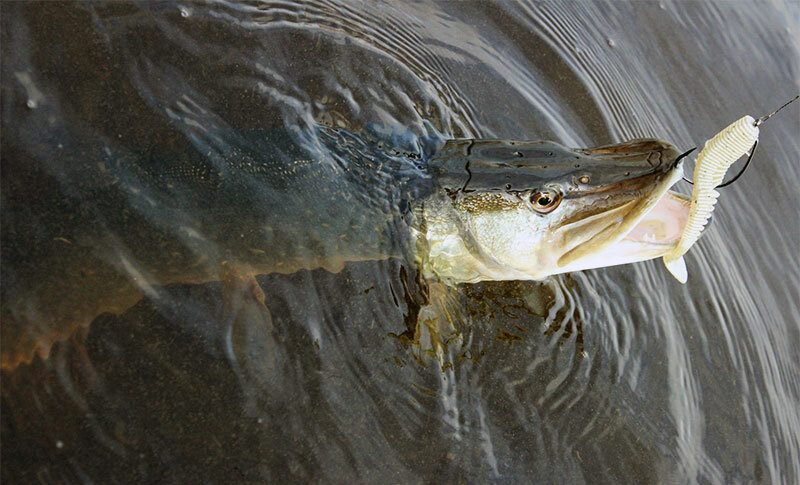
{"x": 764, "y": 118}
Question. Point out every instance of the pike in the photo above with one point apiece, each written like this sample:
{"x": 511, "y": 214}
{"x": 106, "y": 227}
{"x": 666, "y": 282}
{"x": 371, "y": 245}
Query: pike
{"x": 96, "y": 229}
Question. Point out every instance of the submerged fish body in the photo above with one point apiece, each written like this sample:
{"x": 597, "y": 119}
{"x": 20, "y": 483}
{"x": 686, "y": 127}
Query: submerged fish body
{"x": 104, "y": 228}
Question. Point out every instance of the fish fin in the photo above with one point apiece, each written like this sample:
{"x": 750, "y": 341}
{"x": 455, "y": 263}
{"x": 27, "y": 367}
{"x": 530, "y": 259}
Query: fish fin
{"x": 678, "y": 269}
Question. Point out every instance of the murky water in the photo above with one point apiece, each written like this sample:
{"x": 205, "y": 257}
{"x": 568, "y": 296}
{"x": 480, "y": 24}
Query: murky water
{"x": 254, "y": 313}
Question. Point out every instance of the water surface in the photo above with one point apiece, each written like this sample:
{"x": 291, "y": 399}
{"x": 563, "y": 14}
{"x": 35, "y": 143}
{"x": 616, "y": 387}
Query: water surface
{"x": 190, "y": 294}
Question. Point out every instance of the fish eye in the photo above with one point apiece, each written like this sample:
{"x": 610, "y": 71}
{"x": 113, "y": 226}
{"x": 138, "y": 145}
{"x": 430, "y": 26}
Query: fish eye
{"x": 545, "y": 200}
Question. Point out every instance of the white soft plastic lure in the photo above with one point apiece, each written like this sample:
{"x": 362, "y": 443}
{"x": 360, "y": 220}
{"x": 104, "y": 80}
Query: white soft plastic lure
{"x": 717, "y": 156}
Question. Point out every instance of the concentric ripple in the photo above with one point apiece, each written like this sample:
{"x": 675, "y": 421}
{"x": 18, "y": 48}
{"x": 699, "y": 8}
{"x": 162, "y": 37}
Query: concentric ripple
{"x": 208, "y": 268}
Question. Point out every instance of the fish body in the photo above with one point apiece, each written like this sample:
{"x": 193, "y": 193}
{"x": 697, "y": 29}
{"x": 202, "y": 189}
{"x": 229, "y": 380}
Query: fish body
{"x": 96, "y": 228}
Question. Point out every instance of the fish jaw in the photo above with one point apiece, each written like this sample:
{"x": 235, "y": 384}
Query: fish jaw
{"x": 653, "y": 236}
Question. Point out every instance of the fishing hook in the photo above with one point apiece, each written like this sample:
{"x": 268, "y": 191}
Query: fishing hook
{"x": 682, "y": 156}
{"x": 735, "y": 177}
{"x": 758, "y": 122}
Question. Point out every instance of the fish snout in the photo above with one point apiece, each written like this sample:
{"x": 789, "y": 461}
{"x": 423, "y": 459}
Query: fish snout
{"x": 632, "y": 164}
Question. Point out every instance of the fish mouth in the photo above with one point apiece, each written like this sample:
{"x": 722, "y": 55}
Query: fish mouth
{"x": 636, "y": 230}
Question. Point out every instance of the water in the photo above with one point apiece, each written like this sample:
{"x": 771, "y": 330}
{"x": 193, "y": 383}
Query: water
{"x": 158, "y": 143}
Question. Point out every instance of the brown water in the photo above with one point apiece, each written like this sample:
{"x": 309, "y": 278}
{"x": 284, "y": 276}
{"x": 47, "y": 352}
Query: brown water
{"x": 151, "y": 144}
